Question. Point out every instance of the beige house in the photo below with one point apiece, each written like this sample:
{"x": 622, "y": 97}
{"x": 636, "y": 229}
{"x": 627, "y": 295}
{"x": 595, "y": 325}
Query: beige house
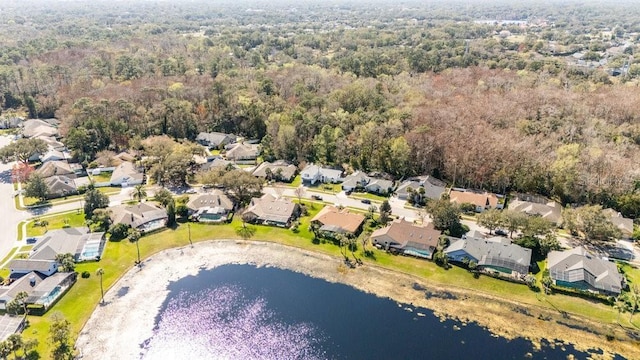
{"x": 338, "y": 221}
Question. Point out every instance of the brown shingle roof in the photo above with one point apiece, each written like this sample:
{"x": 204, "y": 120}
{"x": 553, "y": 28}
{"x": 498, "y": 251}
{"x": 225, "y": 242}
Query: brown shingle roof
{"x": 403, "y": 233}
{"x": 343, "y": 219}
{"x": 478, "y": 199}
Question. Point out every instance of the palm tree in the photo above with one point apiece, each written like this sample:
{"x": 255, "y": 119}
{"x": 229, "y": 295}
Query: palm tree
{"x": 44, "y": 223}
{"x": 100, "y": 272}
{"x": 139, "y": 192}
{"x": 15, "y": 343}
{"x": 21, "y": 298}
{"x": 620, "y": 306}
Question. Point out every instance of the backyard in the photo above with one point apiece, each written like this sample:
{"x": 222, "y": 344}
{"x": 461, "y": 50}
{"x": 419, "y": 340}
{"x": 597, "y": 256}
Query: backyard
{"x": 120, "y": 256}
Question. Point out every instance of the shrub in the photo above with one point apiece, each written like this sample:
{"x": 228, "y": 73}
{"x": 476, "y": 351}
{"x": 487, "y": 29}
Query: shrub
{"x": 85, "y": 274}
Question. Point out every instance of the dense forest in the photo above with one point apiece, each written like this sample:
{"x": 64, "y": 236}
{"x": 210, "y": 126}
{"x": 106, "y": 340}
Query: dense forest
{"x": 538, "y": 97}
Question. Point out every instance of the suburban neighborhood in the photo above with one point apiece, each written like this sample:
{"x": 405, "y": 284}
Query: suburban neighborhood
{"x": 488, "y": 234}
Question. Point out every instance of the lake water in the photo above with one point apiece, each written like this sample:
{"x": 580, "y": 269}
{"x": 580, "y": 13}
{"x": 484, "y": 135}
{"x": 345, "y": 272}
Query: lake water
{"x": 244, "y": 312}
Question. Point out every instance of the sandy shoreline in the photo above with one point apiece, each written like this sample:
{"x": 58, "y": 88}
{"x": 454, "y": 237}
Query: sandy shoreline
{"x": 115, "y": 330}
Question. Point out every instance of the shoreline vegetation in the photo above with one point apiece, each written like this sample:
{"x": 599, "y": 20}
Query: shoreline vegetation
{"x": 115, "y": 329}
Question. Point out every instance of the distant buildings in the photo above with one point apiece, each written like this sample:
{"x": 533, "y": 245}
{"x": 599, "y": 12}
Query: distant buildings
{"x": 537, "y": 206}
{"x": 480, "y": 200}
{"x": 313, "y": 174}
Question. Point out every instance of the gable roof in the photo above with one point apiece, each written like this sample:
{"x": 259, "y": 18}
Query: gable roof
{"x": 551, "y": 211}
{"x": 215, "y": 139}
{"x": 491, "y": 253}
{"x": 578, "y": 264}
{"x": 38, "y": 127}
{"x": 54, "y": 155}
{"x": 23, "y": 265}
{"x": 341, "y": 220}
{"x": 287, "y": 170}
{"x": 381, "y": 183}
{"x": 355, "y": 179}
{"x": 243, "y": 151}
{"x": 483, "y": 200}
{"x": 126, "y": 170}
{"x": 63, "y": 241}
{"x": 51, "y": 168}
{"x": 406, "y": 234}
{"x": 216, "y": 198}
{"x": 625, "y": 225}
{"x": 312, "y": 170}
{"x": 269, "y": 208}
{"x": 433, "y": 188}
{"x": 137, "y": 214}
{"x": 60, "y": 185}
{"x": 217, "y": 162}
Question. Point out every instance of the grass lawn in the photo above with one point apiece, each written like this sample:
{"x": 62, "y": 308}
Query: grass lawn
{"x": 102, "y": 177}
{"x": 366, "y": 195}
{"x": 297, "y": 181}
{"x": 9, "y": 255}
{"x": 74, "y": 219}
{"x": 120, "y": 256}
{"x": 327, "y": 188}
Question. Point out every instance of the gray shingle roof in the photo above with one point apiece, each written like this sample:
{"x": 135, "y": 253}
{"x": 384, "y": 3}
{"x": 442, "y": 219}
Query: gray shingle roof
{"x": 578, "y": 264}
{"x": 490, "y": 253}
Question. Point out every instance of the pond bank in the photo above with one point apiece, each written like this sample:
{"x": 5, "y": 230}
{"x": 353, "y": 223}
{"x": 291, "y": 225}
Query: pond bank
{"x": 117, "y": 328}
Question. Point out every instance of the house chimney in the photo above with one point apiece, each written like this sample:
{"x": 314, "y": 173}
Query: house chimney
{"x": 32, "y": 280}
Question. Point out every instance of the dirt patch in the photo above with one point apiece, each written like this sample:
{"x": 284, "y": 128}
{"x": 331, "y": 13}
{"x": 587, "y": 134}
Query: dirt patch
{"x": 117, "y": 328}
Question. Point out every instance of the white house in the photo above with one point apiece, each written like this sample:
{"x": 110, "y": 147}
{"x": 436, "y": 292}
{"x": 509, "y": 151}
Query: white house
{"x": 314, "y": 173}
{"x": 126, "y": 174}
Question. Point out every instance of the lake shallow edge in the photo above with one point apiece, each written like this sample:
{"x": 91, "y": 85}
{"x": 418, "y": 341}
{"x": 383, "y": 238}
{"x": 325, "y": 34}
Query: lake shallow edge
{"x": 117, "y": 329}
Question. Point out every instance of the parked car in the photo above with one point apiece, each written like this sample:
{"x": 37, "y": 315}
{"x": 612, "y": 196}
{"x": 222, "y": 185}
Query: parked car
{"x": 316, "y": 197}
{"x": 501, "y": 232}
{"x": 191, "y": 191}
{"x": 32, "y": 240}
{"x": 365, "y": 201}
{"x": 348, "y": 192}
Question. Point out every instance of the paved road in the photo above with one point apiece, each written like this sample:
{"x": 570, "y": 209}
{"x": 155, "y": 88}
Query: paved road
{"x": 397, "y": 206}
{"x": 9, "y": 216}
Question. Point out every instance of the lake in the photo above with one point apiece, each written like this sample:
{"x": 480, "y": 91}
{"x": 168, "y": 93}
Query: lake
{"x": 245, "y": 312}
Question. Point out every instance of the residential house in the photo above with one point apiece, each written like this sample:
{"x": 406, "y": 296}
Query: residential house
{"x": 126, "y": 174}
{"x": 215, "y": 140}
{"x": 279, "y": 170}
{"x": 481, "y": 200}
{"x": 210, "y": 207}
{"x": 38, "y": 127}
{"x": 379, "y": 186}
{"x": 53, "y": 168}
{"x": 218, "y": 163}
{"x": 79, "y": 242}
{"x": 432, "y": 188}
{"x": 500, "y": 257}
{"x": 144, "y": 217}
{"x": 625, "y": 225}
{"x": 408, "y": 238}
{"x": 313, "y": 174}
{"x": 43, "y": 291}
{"x": 579, "y": 269}
{"x": 60, "y": 186}
{"x": 357, "y": 180}
{"x": 52, "y": 143}
{"x": 331, "y": 220}
{"x": 538, "y": 206}
{"x": 21, "y": 267}
{"x": 11, "y": 324}
{"x": 269, "y": 210}
{"x": 54, "y": 155}
{"x": 123, "y": 157}
{"x": 243, "y": 153}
